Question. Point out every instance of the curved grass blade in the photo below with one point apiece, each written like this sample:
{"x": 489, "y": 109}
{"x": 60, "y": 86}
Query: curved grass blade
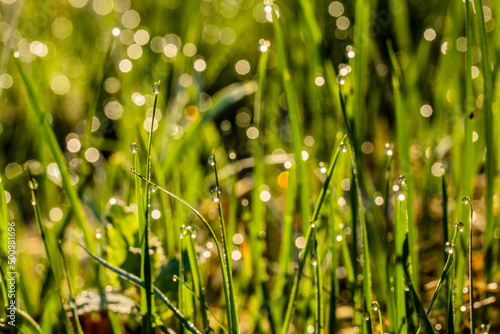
{"x": 314, "y": 218}
{"x": 234, "y": 328}
{"x": 27, "y": 324}
{"x": 205, "y": 222}
{"x": 53, "y": 266}
{"x": 136, "y": 280}
{"x": 51, "y": 141}
{"x": 224, "y": 329}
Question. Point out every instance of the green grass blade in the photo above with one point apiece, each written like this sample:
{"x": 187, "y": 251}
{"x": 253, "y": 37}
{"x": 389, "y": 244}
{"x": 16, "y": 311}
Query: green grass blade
{"x": 4, "y": 218}
{"x": 490, "y": 148}
{"x": 197, "y": 280}
{"x": 51, "y": 141}
{"x": 313, "y": 221}
{"x": 193, "y": 293}
{"x": 234, "y": 328}
{"x": 293, "y": 115}
{"x": 137, "y": 281}
{"x": 54, "y": 267}
{"x": 424, "y": 319}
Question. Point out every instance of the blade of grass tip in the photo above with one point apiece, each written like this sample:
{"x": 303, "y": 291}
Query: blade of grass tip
{"x": 51, "y": 141}
{"x": 210, "y": 229}
{"x": 312, "y": 225}
{"x": 490, "y": 149}
{"x": 197, "y": 280}
{"x": 227, "y": 261}
{"x": 137, "y": 281}
{"x": 193, "y": 293}
{"x": 4, "y": 218}
{"x": 146, "y": 264}
{"x": 293, "y": 115}
{"x": 33, "y": 185}
{"x": 71, "y": 300}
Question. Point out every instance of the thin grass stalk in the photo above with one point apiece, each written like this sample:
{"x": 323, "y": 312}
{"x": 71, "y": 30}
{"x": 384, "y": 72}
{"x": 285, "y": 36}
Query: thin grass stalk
{"x": 72, "y": 302}
{"x": 227, "y": 261}
{"x": 490, "y": 148}
{"x": 318, "y": 283}
{"x": 51, "y": 141}
{"x": 334, "y": 284}
{"x": 467, "y": 159}
{"x": 4, "y": 219}
{"x": 33, "y": 185}
{"x": 193, "y": 293}
{"x": 137, "y": 281}
{"x": 468, "y": 202}
{"x": 293, "y": 115}
{"x": 258, "y": 207}
{"x": 146, "y": 265}
{"x": 207, "y": 225}
{"x": 312, "y": 225}
{"x": 399, "y": 233}
{"x": 197, "y": 280}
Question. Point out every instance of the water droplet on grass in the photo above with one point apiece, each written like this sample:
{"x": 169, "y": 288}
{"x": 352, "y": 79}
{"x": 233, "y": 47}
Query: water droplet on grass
{"x": 402, "y": 180}
{"x": 388, "y": 149}
{"x": 215, "y": 195}
{"x": 340, "y": 79}
{"x": 134, "y": 148}
{"x": 211, "y": 160}
{"x": 33, "y": 184}
{"x": 465, "y": 200}
{"x": 366, "y": 316}
{"x": 343, "y": 147}
{"x": 375, "y": 306}
{"x": 152, "y": 187}
{"x": 189, "y": 231}
{"x": 460, "y": 226}
{"x": 449, "y": 247}
{"x": 156, "y": 87}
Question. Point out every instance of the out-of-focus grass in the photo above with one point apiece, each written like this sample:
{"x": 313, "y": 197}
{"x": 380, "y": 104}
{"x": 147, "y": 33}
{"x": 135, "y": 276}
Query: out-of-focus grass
{"x": 258, "y": 82}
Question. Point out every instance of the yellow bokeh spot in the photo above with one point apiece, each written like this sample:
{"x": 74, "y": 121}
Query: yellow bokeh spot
{"x": 283, "y": 179}
{"x": 191, "y": 113}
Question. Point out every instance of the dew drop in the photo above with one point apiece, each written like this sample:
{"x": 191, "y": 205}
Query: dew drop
{"x": 402, "y": 180}
{"x": 132, "y": 169}
{"x": 314, "y": 259}
{"x": 215, "y": 195}
{"x": 366, "y": 316}
{"x": 388, "y": 149}
{"x": 484, "y": 329}
{"x": 343, "y": 147}
{"x": 448, "y": 247}
{"x": 71, "y": 303}
{"x": 134, "y": 148}
{"x": 189, "y": 231}
{"x": 156, "y": 87}
{"x": 33, "y": 184}
{"x": 209, "y": 330}
{"x": 313, "y": 224}
{"x": 340, "y": 79}
{"x": 375, "y": 306}
{"x": 152, "y": 187}
{"x": 174, "y": 279}
{"x": 211, "y": 160}
{"x": 460, "y": 226}
{"x": 465, "y": 200}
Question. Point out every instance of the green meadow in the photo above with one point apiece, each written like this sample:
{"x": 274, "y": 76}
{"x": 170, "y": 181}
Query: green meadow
{"x": 248, "y": 166}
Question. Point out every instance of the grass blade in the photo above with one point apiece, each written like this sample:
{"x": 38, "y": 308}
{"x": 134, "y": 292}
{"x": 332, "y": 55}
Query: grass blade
{"x": 50, "y": 140}
{"x": 137, "y": 281}
{"x": 234, "y": 328}
{"x": 313, "y": 221}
